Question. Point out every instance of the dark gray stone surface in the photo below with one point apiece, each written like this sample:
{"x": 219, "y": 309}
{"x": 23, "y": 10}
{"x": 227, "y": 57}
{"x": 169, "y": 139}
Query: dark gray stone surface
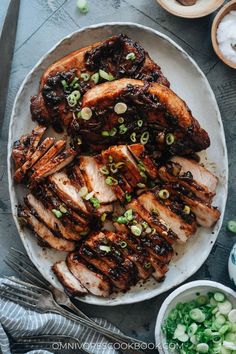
{"x": 41, "y": 24}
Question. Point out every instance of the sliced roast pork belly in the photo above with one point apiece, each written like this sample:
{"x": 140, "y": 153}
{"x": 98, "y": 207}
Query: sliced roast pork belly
{"x": 26, "y": 145}
{"x": 50, "y": 105}
{"x": 108, "y": 252}
{"x": 43, "y": 233}
{"x": 121, "y": 154}
{"x": 153, "y": 221}
{"x": 206, "y": 215}
{"x": 145, "y": 163}
{"x": 68, "y": 280}
{"x": 95, "y": 180}
{"x": 50, "y": 220}
{"x": 54, "y": 165}
{"x": 90, "y": 277}
{"x": 52, "y": 152}
{"x": 200, "y": 174}
{"x": 172, "y": 220}
{"x": 67, "y": 192}
{"x": 20, "y": 174}
{"x": 143, "y": 268}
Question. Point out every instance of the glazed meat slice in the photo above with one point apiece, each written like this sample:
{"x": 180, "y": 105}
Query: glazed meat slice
{"x": 159, "y": 108}
{"x": 90, "y": 277}
{"x": 50, "y": 220}
{"x": 200, "y": 174}
{"x": 172, "y": 220}
{"x": 121, "y": 154}
{"x": 95, "y": 180}
{"x": 43, "y": 233}
{"x": 67, "y": 192}
{"x": 171, "y": 174}
{"x": 145, "y": 163}
{"x": 52, "y": 152}
{"x": 21, "y": 172}
{"x": 153, "y": 221}
{"x": 35, "y": 139}
{"x": 108, "y": 252}
{"x": 64, "y": 76}
{"x": 70, "y": 283}
{"x": 54, "y": 165}
{"x": 144, "y": 271}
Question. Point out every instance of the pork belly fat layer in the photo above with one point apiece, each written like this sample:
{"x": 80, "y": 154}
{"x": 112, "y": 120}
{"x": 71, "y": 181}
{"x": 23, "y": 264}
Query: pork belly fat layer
{"x": 68, "y": 280}
{"x": 44, "y": 233}
{"x": 95, "y": 282}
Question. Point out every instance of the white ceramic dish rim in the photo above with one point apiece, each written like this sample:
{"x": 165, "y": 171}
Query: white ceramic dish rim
{"x": 166, "y": 38}
{"x": 179, "y": 291}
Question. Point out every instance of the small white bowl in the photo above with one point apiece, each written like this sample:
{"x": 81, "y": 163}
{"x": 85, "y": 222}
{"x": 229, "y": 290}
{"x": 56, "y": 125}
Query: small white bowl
{"x": 186, "y": 293}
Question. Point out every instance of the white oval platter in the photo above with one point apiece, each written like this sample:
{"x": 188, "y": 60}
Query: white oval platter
{"x": 188, "y": 81}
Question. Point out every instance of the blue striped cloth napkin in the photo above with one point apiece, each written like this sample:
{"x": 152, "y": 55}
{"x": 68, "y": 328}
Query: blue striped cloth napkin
{"x": 17, "y": 321}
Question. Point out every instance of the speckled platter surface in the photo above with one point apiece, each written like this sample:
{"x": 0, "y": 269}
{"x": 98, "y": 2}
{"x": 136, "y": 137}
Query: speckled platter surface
{"x": 188, "y": 81}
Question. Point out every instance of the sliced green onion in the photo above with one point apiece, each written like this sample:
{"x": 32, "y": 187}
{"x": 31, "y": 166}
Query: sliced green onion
{"x": 143, "y": 175}
{"x": 155, "y": 212}
{"x": 120, "y": 107}
{"x": 119, "y": 164}
{"x": 85, "y": 76}
{"x": 95, "y": 78}
{"x": 105, "y": 133}
{"x": 202, "y": 348}
{"x": 202, "y": 299}
{"x": 79, "y": 141}
{"x": 106, "y": 76}
{"x": 170, "y": 139}
{"x": 136, "y": 230}
{"x": 76, "y": 94}
{"x": 111, "y": 181}
{"x": 187, "y": 209}
{"x": 86, "y": 113}
{"x": 164, "y": 194}
{"x": 74, "y": 81}
{"x": 129, "y": 214}
{"x": 232, "y": 226}
{"x": 104, "y": 170}
{"x": 232, "y": 316}
{"x": 82, "y": 6}
{"x": 122, "y": 129}
{"x": 95, "y": 202}
{"x": 140, "y": 123}
{"x": 57, "y": 213}
{"x": 144, "y": 224}
{"x": 105, "y": 248}
{"x": 110, "y": 158}
{"x": 192, "y": 329}
{"x": 144, "y": 138}
{"x": 148, "y": 230}
{"x": 219, "y": 297}
{"x": 62, "y": 209}
{"x": 147, "y": 265}
{"x": 64, "y": 84}
{"x": 113, "y": 168}
{"x": 72, "y": 101}
{"x": 141, "y": 167}
{"x": 122, "y": 220}
{"x": 121, "y": 120}
{"x": 133, "y": 137}
{"x": 79, "y": 114}
{"x": 103, "y": 217}
{"x": 141, "y": 185}
{"x": 89, "y": 195}
{"x": 225, "y": 307}
{"x": 83, "y": 192}
{"x": 123, "y": 244}
{"x": 130, "y": 56}
{"x": 113, "y": 131}
{"x": 197, "y": 315}
{"x": 128, "y": 197}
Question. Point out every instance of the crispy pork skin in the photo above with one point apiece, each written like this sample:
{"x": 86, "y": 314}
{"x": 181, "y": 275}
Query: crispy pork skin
{"x": 90, "y": 277}
{"x": 67, "y": 191}
{"x": 68, "y": 280}
{"x": 201, "y": 175}
{"x": 51, "y": 221}
{"x": 165, "y": 113}
{"x": 109, "y": 55}
{"x": 44, "y": 234}
{"x": 54, "y": 165}
{"x": 95, "y": 180}
{"x": 173, "y": 221}
{"x": 21, "y": 172}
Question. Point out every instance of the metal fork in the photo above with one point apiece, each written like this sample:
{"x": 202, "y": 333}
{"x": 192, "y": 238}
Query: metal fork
{"x": 55, "y": 343}
{"x": 22, "y": 265}
{"x": 41, "y": 300}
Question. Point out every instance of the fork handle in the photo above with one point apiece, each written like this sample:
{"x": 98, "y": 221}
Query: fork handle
{"x": 118, "y": 338}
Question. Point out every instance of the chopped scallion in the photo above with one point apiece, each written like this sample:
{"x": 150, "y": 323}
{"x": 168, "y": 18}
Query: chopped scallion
{"x": 129, "y": 214}
{"x": 144, "y": 138}
{"x": 83, "y": 192}
{"x": 122, "y": 129}
{"x": 232, "y": 226}
{"x": 122, "y": 220}
{"x": 62, "y": 209}
{"x": 64, "y": 84}
{"x": 106, "y": 76}
{"x": 136, "y": 230}
{"x": 133, "y": 137}
{"x": 123, "y": 244}
{"x": 105, "y": 133}
{"x": 130, "y": 56}
{"x": 140, "y": 123}
{"x": 170, "y": 139}
{"x": 86, "y": 113}
{"x": 105, "y": 248}
{"x": 85, "y": 76}
{"x": 163, "y": 194}
{"x": 57, "y": 213}
{"x": 82, "y": 6}
{"x": 111, "y": 181}
{"x": 103, "y": 217}
{"x": 120, "y": 108}
{"x": 95, "y": 202}
{"x": 104, "y": 170}
{"x": 121, "y": 120}
{"x": 95, "y": 78}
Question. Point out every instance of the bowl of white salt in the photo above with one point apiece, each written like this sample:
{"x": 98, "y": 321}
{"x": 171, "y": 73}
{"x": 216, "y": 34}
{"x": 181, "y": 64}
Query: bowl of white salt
{"x": 223, "y": 34}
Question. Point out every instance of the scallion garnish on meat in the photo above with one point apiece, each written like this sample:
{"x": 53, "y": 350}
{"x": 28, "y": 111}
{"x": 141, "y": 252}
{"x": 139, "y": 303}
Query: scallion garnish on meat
{"x": 170, "y": 139}
{"x": 144, "y": 138}
{"x": 95, "y": 78}
{"x": 85, "y": 76}
{"x": 130, "y": 56}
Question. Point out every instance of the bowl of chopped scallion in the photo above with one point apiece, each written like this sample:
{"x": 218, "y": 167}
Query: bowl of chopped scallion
{"x": 198, "y": 317}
